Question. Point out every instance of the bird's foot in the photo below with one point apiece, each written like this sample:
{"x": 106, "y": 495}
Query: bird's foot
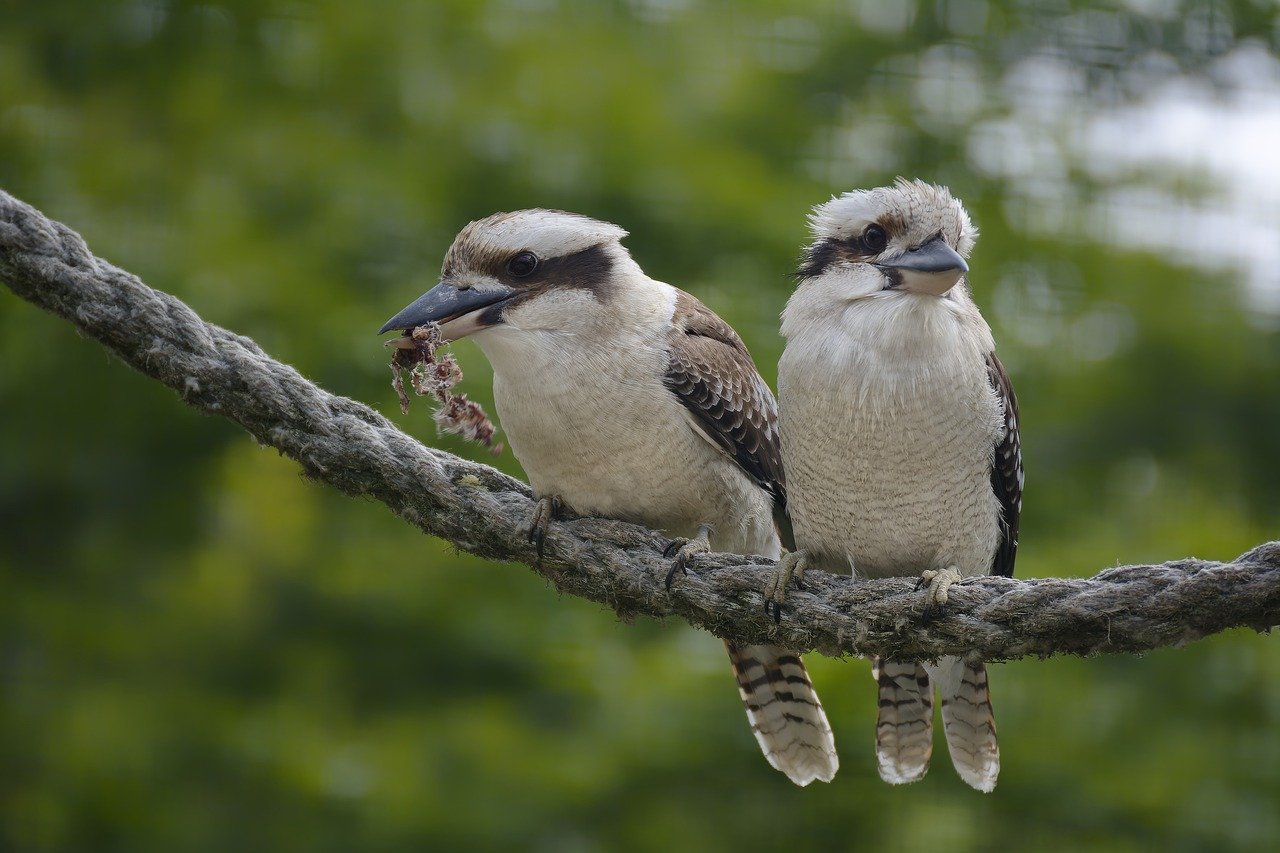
{"x": 684, "y": 550}
{"x": 939, "y": 582}
{"x": 790, "y": 566}
{"x": 546, "y": 510}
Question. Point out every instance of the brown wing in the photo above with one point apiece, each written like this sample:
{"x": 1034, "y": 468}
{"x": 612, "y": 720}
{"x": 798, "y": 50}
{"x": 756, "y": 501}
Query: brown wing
{"x": 1006, "y": 470}
{"x": 711, "y": 372}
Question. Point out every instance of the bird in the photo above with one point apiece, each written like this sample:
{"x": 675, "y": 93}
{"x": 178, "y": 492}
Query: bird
{"x": 900, "y": 438}
{"x": 625, "y": 397}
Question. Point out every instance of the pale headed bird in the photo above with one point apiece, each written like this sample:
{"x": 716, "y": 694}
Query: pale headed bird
{"x": 900, "y": 441}
{"x": 625, "y": 397}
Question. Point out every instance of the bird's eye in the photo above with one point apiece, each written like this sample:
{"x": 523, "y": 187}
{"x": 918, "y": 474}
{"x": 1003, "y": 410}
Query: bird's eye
{"x": 523, "y": 265}
{"x": 874, "y": 238}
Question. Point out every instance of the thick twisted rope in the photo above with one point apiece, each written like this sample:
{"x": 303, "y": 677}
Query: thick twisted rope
{"x": 481, "y": 510}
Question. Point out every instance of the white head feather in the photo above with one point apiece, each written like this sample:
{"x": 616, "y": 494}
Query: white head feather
{"x": 547, "y": 233}
{"x": 925, "y": 210}
{"x": 843, "y": 296}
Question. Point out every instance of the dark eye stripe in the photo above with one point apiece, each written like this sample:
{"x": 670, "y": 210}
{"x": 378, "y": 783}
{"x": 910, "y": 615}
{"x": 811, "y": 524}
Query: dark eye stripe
{"x": 819, "y": 257}
{"x": 590, "y": 269}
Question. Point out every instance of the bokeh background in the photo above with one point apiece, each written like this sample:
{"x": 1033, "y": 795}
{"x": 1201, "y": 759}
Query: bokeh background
{"x": 200, "y": 651}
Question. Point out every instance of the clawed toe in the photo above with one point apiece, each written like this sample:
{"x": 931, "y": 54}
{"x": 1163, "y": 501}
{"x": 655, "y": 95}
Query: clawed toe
{"x": 680, "y": 566}
{"x": 939, "y": 582}
{"x": 790, "y": 567}
{"x": 684, "y": 550}
{"x": 547, "y": 508}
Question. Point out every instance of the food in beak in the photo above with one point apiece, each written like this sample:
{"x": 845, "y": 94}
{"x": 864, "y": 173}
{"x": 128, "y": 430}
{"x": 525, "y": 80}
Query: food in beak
{"x": 432, "y": 374}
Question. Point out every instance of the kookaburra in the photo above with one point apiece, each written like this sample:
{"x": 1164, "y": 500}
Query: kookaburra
{"x": 900, "y": 441}
{"x": 625, "y": 397}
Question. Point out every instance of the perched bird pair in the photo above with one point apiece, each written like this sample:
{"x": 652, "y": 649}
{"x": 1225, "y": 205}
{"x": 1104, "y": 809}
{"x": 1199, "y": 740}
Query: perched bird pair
{"x": 623, "y": 396}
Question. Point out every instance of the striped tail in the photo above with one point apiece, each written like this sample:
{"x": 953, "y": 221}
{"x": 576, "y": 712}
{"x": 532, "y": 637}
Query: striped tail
{"x": 785, "y": 713}
{"x": 904, "y": 727}
{"x": 968, "y": 721}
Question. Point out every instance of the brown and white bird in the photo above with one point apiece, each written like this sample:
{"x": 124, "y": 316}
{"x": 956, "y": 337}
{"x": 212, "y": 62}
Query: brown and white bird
{"x": 900, "y": 440}
{"x": 625, "y": 397}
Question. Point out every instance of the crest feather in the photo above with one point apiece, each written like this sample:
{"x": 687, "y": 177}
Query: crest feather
{"x": 925, "y": 206}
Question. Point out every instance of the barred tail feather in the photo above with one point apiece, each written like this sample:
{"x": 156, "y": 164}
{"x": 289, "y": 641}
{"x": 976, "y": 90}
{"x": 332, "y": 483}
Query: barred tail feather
{"x": 968, "y": 721}
{"x": 785, "y": 713}
{"x": 904, "y": 727}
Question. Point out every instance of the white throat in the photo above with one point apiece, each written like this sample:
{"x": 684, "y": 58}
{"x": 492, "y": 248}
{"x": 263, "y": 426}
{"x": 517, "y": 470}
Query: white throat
{"x": 885, "y": 346}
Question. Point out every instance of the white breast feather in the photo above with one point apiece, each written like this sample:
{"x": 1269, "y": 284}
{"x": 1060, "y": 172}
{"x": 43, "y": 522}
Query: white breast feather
{"x": 593, "y": 423}
{"x": 888, "y": 427}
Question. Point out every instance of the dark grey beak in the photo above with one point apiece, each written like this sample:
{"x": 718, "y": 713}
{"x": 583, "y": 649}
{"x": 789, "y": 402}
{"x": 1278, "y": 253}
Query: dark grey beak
{"x": 933, "y": 257}
{"x": 446, "y": 302}
{"x": 932, "y": 268}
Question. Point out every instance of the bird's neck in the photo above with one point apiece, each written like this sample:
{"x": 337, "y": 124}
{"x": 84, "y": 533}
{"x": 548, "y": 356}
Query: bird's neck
{"x": 887, "y": 349}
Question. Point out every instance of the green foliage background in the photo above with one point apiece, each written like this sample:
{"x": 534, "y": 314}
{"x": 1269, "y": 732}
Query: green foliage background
{"x": 199, "y": 651}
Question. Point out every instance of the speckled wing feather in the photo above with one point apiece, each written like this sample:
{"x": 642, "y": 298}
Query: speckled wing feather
{"x": 1006, "y": 470}
{"x": 712, "y": 374}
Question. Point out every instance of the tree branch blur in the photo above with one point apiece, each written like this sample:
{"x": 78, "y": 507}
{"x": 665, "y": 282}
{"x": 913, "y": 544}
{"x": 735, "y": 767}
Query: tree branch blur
{"x": 483, "y": 511}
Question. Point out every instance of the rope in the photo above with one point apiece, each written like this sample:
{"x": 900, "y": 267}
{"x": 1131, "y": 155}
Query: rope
{"x": 483, "y": 511}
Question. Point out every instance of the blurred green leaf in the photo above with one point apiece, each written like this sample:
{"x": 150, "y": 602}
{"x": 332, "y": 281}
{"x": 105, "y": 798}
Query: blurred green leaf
{"x": 199, "y": 650}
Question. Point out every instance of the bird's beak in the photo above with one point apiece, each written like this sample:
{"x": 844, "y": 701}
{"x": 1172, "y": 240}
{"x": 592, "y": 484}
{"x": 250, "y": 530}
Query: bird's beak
{"x": 933, "y": 268}
{"x": 460, "y": 311}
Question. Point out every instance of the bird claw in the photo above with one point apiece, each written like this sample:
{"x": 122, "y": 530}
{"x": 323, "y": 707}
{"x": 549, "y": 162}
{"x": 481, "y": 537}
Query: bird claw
{"x": 790, "y": 567}
{"x": 939, "y": 582}
{"x": 547, "y": 508}
{"x": 684, "y": 550}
